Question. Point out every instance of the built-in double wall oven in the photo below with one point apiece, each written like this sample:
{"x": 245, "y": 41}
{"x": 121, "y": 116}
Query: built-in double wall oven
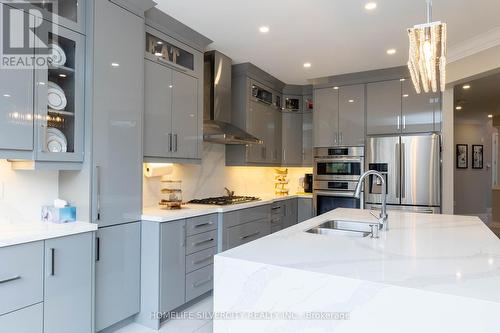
{"x": 336, "y": 173}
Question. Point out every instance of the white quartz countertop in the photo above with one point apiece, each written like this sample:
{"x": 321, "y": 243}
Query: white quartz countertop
{"x": 156, "y": 214}
{"x": 18, "y": 232}
{"x": 448, "y": 254}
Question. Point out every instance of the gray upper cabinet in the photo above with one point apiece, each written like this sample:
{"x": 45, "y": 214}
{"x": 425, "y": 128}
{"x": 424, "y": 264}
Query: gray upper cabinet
{"x": 326, "y": 117}
{"x": 158, "y": 111}
{"x": 257, "y": 112}
{"x": 417, "y": 109}
{"x": 68, "y": 284}
{"x": 117, "y": 114}
{"x": 384, "y": 107}
{"x": 173, "y": 119}
{"x": 117, "y": 279}
{"x": 292, "y": 138}
{"x": 307, "y": 139}
{"x": 352, "y": 115}
{"x": 173, "y": 264}
{"x": 185, "y": 125}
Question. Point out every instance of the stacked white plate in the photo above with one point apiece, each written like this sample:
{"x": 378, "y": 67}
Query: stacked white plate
{"x": 57, "y": 55}
{"x": 56, "y": 141}
{"x": 56, "y": 97}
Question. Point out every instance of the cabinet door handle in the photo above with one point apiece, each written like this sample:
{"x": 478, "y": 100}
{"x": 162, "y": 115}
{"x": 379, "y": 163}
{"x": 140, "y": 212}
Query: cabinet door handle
{"x": 341, "y": 137}
{"x": 14, "y": 278}
{"x": 197, "y": 262}
{"x": 251, "y": 235}
{"x": 204, "y": 242}
{"x": 203, "y": 224}
{"x": 202, "y": 282}
{"x": 98, "y": 191}
{"x": 97, "y": 249}
{"x": 52, "y": 261}
{"x": 404, "y": 122}
{"x": 170, "y": 142}
{"x": 399, "y": 122}
{"x": 175, "y": 140}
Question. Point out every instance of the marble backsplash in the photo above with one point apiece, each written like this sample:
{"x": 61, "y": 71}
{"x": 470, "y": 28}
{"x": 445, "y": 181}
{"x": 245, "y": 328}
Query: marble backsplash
{"x": 210, "y": 178}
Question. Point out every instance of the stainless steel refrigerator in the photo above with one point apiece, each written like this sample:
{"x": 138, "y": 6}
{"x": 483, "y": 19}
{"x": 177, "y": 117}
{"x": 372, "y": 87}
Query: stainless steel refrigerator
{"x": 411, "y": 165}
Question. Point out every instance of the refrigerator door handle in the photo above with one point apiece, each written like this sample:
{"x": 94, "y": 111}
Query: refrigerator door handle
{"x": 403, "y": 170}
{"x": 398, "y": 171}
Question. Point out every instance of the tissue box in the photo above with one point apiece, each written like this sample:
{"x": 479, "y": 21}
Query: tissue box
{"x": 58, "y": 215}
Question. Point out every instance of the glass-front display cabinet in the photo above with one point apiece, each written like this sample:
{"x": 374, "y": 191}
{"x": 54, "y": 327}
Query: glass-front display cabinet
{"x": 59, "y": 96}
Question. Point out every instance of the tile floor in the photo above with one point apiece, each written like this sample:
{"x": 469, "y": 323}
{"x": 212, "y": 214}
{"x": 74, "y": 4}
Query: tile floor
{"x": 179, "y": 325}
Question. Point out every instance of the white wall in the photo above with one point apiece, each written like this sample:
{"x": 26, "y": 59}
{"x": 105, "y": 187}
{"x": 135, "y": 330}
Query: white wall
{"x": 473, "y": 186}
{"x": 22, "y": 193}
{"x": 210, "y": 178}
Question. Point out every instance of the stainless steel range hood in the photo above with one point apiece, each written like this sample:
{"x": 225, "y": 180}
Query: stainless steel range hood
{"x": 217, "y": 125}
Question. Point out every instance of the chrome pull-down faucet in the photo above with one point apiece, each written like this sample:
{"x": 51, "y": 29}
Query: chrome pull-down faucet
{"x": 382, "y": 219}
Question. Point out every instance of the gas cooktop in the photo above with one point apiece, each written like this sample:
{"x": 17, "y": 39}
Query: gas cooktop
{"x": 223, "y": 201}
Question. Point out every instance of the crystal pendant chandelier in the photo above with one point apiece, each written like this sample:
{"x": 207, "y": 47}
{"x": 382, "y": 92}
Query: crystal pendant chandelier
{"x": 427, "y": 59}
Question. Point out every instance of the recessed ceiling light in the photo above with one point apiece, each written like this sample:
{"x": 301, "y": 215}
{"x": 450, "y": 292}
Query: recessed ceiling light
{"x": 351, "y": 101}
{"x": 402, "y": 79}
{"x": 490, "y": 116}
{"x": 458, "y": 108}
{"x": 391, "y": 51}
{"x": 62, "y": 75}
{"x": 335, "y": 88}
{"x": 307, "y": 65}
{"x": 370, "y": 5}
{"x": 405, "y": 95}
{"x": 115, "y": 64}
{"x": 466, "y": 86}
{"x": 264, "y": 29}
{"x": 6, "y": 95}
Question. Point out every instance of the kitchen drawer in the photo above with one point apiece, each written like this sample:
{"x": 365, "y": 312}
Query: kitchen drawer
{"x": 241, "y": 216}
{"x": 278, "y": 209}
{"x": 199, "y": 282}
{"x": 197, "y": 225}
{"x": 27, "y": 320}
{"x": 201, "y": 242}
{"x": 21, "y": 276}
{"x": 276, "y": 227}
{"x": 247, "y": 232}
{"x": 200, "y": 259}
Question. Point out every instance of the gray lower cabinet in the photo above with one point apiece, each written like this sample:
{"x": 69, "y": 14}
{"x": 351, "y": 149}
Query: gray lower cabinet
{"x": 244, "y": 225}
{"x": 326, "y": 117}
{"x": 291, "y": 206}
{"x": 26, "y": 320}
{"x": 383, "y": 107}
{"x": 117, "y": 270}
{"x": 177, "y": 264}
{"x": 304, "y": 209}
{"x": 352, "y": 115}
{"x": 118, "y": 104}
{"x": 292, "y": 139}
{"x": 172, "y": 265}
{"x": 68, "y": 284}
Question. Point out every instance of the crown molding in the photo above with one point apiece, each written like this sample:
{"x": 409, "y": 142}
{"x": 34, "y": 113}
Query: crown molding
{"x": 474, "y": 45}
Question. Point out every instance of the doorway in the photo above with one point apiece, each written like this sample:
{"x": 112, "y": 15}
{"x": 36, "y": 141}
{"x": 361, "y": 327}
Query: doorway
{"x": 476, "y": 113}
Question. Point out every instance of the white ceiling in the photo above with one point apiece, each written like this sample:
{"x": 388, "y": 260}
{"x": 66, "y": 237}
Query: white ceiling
{"x": 482, "y": 99}
{"x": 336, "y": 36}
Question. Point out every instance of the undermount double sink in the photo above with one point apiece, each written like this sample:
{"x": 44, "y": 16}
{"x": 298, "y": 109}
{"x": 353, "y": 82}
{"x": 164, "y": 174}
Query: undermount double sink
{"x": 343, "y": 228}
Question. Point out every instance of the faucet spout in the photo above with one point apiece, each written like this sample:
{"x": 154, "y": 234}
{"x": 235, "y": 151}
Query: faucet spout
{"x": 357, "y": 193}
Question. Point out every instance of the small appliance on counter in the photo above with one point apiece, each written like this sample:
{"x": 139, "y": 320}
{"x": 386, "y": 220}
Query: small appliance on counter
{"x": 307, "y": 183}
{"x": 171, "y": 193}
{"x": 280, "y": 182}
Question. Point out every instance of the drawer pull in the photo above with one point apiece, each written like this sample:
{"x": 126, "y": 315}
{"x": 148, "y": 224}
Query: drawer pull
{"x": 14, "y": 278}
{"x": 251, "y": 235}
{"x": 203, "y": 224}
{"x": 274, "y": 208}
{"x": 52, "y": 257}
{"x": 275, "y": 220}
{"x": 197, "y": 262}
{"x": 204, "y": 242}
{"x": 200, "y": 283}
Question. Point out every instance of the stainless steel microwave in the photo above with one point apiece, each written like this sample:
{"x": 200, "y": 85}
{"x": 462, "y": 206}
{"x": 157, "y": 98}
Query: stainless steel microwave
{"x": 262, "y": 95}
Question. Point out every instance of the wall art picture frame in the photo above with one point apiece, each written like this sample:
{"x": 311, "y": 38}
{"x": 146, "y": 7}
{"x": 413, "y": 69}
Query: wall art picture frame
{"x": 477, "y": 156}
{"x": 462, "y": 157}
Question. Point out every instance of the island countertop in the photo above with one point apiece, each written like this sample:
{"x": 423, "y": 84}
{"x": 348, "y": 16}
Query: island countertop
{"x": 456, "y": 255}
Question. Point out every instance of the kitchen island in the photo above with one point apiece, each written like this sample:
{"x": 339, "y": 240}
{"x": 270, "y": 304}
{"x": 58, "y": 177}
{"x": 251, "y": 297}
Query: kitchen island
{"x": 427, "y": 273}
